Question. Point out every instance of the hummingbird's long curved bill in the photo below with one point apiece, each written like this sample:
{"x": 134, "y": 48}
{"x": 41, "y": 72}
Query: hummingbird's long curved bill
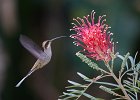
{"x": 57, "y": 38}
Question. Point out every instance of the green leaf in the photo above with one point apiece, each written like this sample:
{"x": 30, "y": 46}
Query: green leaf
{"x": 106, "y": 83}
{"x": 117, "y": 99}
{"x": 121, "y": 57}
{"x": 87, "y": 61}
{"x": 74, "y": 83}
{"x": 138, "y": 82}
{"x": 72, "y": 90}
{"x": 124, "y": 62}
{"x": 69, "y": 94}
{"x": 83, "y": 76}
{"x": 132, "y": 98}
{"x": 91, "y": 97}
{"x": 132, "y": 61}
{"x": 138, "y": 67}
{"x": 130, "y": 92}
{"x": 77, "y": 86}
{"x": 108, "y": 90}
{"x": 128, "y": 82}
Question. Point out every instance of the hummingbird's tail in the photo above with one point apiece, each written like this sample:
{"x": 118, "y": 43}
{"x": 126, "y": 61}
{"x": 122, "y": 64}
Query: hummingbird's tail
{"x": 31, "y": 71}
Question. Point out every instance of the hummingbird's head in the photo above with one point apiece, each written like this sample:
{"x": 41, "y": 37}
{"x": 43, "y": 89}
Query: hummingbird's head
{"x": 46, "y": 44}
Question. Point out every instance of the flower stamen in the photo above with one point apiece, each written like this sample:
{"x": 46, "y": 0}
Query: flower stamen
{"x": 93, "y": 37}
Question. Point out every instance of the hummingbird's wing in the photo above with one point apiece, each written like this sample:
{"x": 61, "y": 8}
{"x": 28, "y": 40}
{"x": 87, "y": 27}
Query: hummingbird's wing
{"x": 32, "y": 47}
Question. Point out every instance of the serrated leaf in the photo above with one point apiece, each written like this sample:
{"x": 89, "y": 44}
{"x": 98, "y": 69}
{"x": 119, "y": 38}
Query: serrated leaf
{"x": 87, "y": 61}
{"x": 108, "y": 90}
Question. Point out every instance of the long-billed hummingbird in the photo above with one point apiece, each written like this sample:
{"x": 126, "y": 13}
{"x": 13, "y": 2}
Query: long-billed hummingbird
{"x": 43, "y": 57}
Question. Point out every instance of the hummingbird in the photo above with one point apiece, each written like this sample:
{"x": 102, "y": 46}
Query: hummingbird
{"x": 43, "y": 56}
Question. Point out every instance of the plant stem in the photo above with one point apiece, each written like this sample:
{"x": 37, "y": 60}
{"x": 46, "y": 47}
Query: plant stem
{"x": 119, "y": 83}
{"x": 104, "y": 71}
{"x": 85, "y": 90}
{"x": 121, "y": 86}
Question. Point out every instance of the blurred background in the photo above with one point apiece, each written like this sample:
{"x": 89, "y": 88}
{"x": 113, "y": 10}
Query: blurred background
{"x": 45, "y": 19}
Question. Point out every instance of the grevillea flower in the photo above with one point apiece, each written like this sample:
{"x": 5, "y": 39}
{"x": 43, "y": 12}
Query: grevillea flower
{"x": 93, "y": 37}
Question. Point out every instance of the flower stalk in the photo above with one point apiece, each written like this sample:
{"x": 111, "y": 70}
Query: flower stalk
{"x": 119, "y": 83}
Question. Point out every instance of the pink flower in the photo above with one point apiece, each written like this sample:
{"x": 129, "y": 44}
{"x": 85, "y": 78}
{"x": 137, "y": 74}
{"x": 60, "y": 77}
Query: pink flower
{"x": 93, "y": 37}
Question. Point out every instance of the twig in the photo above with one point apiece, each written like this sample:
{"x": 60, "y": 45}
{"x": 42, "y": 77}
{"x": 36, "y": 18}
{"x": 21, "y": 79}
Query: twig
{"x": 119, "y": 83}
